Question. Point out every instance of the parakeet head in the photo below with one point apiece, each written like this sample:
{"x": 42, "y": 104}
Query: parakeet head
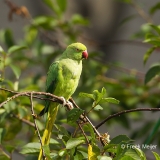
{"x": 76, "y": 51}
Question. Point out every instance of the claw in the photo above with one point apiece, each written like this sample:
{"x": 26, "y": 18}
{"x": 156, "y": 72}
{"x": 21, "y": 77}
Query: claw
{"x": 67, "y": 102}
{"x": 64, "y": 101}
{"x": 70, "y": 104}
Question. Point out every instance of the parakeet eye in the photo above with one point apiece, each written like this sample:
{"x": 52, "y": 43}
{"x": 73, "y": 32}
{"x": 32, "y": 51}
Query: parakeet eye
{"x": 77, "y": 49}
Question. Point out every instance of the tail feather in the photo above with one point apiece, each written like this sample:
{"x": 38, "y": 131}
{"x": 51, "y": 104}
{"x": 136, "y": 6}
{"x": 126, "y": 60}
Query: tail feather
{"x": 52, "y": 113}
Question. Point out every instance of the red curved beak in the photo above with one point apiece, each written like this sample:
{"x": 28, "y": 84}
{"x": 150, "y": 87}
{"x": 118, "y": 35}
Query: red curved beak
{"x": 85, "y": 54}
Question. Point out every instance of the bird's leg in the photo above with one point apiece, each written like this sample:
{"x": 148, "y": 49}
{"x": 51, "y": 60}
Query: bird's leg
{"x": 67, "y": 102}
{"x": 64, "y": 101}
{"x": 70, "y": 104}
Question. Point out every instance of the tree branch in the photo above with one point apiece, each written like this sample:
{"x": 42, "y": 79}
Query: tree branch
{"x": 23, "y": 120}
{"x": 141, "y": 12}
{"x": 35, "y": 124}
{"x": 83, "y": 132}
{"x": 86, "y": 119}
{"x": 125, "y": 111}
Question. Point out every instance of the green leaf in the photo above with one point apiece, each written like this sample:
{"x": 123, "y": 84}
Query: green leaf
{"x": 81, "y": 94}
{"x": 16, "y": 48}
{"x": 46, "y": 150}
{"x": 2, "y": 132}
{"x": 127, "y": 158}
{"x": 30, "y": 35}
{"x": 90, "y": 129}
{"x": 154, "y": 41}
{"x": 16, "y": 70}
{"x": 74, "y": 114}
{"x": 55, "y": 142}
{"x": 2, "y": 110}
{"x": 110, "y": 100}
{"x": 154, "y": 8}
{"x": 53, "y": 6}
{"x": 98, "y": 108}
{"x": 103, "y": 91}
{"x": 50, "y": 4}
{"x": 119, "y": 139}
{"x": 2, "y": 51}
{"x": 145, "y": 28}
{"x": 140, "y": 153}
{"x": 97, "y": 96}
{"x": 30, "y": 148}
{"x": 73, "y": 142}
{"x": 8, "y": 38}
{"x": 78, "y": 156}
{"x": 78, "y": 19}
{"x": 149, "y": 36}
{"x": 156, "y": 28}
{"x": 152, "y": 72}
{"x": 62, "y": 152}
{"x": 157, "y": 156}
{"x": 62, "y": 5}
{"x": 148, "y": 54}
{"x": 10, "y": 148}
{"x": 104, "y": 158}
{"x": 110, "y": 146}
{"x": 46, "y": 22}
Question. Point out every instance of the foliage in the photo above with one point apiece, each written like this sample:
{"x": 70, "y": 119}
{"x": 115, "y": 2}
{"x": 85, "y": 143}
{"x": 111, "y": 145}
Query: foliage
{"x": 23, "y": 66}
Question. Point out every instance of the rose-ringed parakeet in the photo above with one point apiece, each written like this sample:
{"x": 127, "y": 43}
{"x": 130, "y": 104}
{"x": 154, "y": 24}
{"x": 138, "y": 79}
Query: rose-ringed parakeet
{"x": 62, "y": 80}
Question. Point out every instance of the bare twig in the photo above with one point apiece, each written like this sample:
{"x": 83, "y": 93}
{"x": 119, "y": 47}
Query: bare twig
{"x": 35, "y": 124}
{"x": 23, "y": 120}
{"x": 4, "y": 153}
{"x": 126, "y": 111}
{"x": 86, "y": 119}
{"x": 18, "y": 94}
{"x": 141, "y": 12}
{"x": 83, "y": 132}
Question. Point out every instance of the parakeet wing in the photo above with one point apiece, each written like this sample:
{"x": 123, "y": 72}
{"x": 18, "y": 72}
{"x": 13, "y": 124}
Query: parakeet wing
{"x": 51, "y": 82}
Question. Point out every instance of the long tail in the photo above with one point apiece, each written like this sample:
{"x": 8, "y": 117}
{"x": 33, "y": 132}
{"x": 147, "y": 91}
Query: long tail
{"x": 52, "y": 113}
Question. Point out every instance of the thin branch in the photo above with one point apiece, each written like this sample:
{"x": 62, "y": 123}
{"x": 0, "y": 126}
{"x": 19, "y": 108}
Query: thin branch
{"x": 23, "y": 120}
{"x": 4, "y": 153}
{"x": 141, "y": 12}
{"x": 83, "y": 132}
{"x": 125, "y": 111}
{"x": 28, "y": 94}
{"x": 4, "y": 89}
{"x": 86, "y": 119}
{"x": 35, "y": 124}
{"x": 18, "y": 94}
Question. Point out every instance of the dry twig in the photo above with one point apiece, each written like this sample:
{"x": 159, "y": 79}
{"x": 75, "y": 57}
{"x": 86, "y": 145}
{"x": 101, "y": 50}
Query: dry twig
{"x": 35, "y": 124}
{"x": 126, "y": 111}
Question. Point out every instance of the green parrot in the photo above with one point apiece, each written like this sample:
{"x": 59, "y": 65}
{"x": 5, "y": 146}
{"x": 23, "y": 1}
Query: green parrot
{"x": 62, "y": 80}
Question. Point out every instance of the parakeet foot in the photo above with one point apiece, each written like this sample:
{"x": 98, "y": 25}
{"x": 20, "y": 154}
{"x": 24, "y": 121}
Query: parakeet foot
{"x": 67, "y": 102}
{"x": 70, "y": 104}
{"x": 64, "y": 101}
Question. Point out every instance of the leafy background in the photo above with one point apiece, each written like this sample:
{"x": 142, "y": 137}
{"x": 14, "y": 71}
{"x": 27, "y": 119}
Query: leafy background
{"x": 119, "y": 42}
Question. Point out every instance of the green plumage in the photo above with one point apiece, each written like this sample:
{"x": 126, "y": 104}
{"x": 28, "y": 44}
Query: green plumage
{"x": 62, "y": 80}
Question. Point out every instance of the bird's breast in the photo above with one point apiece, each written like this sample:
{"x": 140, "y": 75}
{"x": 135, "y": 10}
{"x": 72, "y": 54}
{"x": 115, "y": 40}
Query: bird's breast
{"x": 69, "y": 77}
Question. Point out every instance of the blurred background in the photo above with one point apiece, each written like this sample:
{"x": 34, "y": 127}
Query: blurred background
{"x": 113, "y": 31}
